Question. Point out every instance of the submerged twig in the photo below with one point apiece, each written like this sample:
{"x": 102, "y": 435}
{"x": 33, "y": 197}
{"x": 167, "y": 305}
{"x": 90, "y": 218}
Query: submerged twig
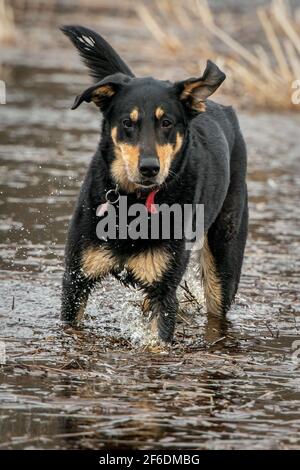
{"x": 188, "y": 294}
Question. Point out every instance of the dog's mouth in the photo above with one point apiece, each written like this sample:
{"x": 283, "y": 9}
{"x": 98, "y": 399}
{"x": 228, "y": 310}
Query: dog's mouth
{"x": 147, "y": 184}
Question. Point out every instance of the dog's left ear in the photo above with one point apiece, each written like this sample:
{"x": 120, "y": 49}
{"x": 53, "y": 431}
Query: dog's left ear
{"x": 102, "y": 92}
{"x": 194, "y": 91}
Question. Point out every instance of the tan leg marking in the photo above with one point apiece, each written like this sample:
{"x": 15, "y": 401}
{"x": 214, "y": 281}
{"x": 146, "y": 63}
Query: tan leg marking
{"x": 97, "y": 262}
{"x": 154, "y": 326}
{"x": 211, "y": 282}
{"x": 81, "y": 311}
{"x": 146, "y": 306}
{"x": 149, "y": 266}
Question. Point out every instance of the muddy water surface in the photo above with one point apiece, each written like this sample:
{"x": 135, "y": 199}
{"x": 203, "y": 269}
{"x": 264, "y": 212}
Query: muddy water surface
{"x": 226, "y": 385}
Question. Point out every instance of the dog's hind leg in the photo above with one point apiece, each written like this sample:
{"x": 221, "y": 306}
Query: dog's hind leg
{"x": 222, "y": 256}
{"x": 223, "y": 250}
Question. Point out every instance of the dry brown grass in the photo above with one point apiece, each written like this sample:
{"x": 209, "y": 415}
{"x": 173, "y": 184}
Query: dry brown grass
{"x": 262, "y": 74}
{"x": 7, "y": 23}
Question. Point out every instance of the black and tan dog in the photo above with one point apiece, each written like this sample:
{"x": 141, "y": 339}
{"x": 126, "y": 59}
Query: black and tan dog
{"x": 165, "y": 139}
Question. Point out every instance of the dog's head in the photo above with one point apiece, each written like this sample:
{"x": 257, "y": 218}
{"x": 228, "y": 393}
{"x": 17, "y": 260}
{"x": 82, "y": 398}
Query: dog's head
{"x": 147, "y": 118}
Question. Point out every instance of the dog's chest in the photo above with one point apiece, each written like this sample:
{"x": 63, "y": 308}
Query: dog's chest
{"x": 145, "y": 265}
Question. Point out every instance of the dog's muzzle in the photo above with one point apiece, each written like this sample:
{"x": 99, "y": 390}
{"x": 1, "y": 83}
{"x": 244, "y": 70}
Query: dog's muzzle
{"x": 149, "y": 168}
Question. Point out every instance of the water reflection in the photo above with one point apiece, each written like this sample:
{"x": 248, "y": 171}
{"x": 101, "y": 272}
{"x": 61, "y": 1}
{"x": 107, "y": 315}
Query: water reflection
{"x": 216, "y": 328}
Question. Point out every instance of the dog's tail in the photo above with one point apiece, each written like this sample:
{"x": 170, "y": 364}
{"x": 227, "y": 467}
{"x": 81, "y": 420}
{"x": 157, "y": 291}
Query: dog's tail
{"x": 97, "y": 54}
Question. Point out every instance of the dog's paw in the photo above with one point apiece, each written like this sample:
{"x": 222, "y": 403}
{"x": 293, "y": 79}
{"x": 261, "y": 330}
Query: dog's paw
{"x": 157, "y": 347}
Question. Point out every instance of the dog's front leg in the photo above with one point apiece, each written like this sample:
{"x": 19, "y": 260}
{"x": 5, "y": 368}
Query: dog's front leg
{"x": 162, "y": 307}
{"x": 80, "y": 276}
{"x": 75, "y": 293}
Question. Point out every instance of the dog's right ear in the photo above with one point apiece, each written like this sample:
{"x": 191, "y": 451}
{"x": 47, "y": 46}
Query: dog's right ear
{"x": 102, "y": 92}
{"x": 97, "y": 54}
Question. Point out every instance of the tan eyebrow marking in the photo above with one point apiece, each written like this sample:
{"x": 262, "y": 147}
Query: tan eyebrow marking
{"x": 159, "y": 112}
{"x": 134, "y": 115}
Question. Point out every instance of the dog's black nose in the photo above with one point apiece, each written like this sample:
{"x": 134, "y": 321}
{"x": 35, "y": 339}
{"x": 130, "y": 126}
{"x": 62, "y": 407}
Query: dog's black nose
{"x": 149, "y": 167}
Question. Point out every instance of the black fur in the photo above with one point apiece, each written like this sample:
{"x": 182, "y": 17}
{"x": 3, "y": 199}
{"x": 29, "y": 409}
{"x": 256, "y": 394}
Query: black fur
{"x": 209, "y": 168}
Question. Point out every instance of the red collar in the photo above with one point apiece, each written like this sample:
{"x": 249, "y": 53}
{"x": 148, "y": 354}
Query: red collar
{"x": 150, "y": 204}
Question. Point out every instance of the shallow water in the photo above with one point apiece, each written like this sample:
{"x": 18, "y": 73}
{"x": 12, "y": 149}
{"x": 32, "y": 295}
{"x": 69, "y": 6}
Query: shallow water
{"x": 225, "y": 385}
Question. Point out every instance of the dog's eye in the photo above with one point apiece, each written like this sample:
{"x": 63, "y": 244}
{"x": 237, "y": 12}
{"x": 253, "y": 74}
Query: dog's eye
{"x": 166, "y": 123}
{"x": 127, "y": 123}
